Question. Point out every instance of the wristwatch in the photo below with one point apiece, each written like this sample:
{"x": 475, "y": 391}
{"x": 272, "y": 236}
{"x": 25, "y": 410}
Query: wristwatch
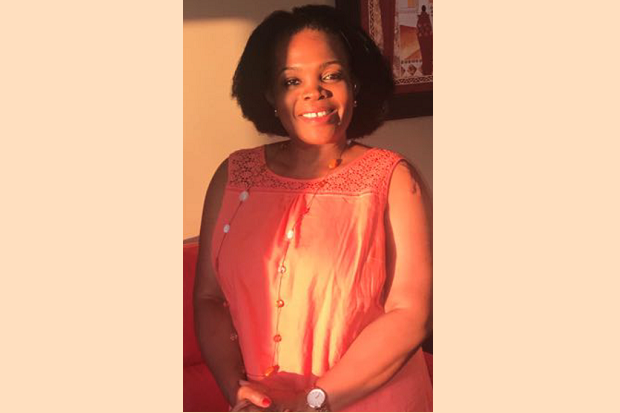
{"x": 317, "y": 399}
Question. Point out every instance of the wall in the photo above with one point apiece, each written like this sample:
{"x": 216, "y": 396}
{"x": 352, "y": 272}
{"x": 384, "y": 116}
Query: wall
{"x": 214, "y": 35}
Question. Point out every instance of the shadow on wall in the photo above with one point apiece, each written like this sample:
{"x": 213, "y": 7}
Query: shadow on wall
{"x": 206, "y": 9}
{"x": 254, "y": 10}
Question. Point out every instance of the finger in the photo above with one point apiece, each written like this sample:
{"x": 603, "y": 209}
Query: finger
{"x": 251, "y": 408}
{"x": 255, "y": 385}
{"x": 240, "y": 406}
{"x": 254, "y": 396}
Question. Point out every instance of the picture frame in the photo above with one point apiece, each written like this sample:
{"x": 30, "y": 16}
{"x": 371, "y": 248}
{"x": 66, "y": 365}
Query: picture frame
{"x": 408, "y": 46}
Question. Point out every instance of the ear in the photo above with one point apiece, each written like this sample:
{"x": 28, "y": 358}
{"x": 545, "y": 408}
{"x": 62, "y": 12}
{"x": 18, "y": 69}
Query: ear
{"x": 269, "y": 97}
{"x": 356, "y": 87}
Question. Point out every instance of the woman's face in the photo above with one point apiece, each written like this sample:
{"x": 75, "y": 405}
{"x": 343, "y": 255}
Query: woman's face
{"x": 312, "y": 87}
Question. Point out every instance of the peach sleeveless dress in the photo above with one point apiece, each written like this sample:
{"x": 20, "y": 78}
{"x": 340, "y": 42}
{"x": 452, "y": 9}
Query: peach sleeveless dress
{"x": 299, "y": 300}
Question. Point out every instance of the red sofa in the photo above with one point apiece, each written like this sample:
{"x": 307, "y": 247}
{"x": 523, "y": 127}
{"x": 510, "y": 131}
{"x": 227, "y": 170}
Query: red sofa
{"x": 200, "y": 391}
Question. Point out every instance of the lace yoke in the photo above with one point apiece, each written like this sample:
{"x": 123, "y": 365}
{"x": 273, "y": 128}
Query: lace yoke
{"x": 370, "y": 172}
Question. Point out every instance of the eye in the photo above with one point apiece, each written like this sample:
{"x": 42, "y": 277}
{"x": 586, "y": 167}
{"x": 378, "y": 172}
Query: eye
{"x": 333, "y": 76}
{"x": 293, "y": 81}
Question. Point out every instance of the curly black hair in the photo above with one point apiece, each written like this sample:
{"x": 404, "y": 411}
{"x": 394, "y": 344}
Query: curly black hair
{"x": 368, "y": 67}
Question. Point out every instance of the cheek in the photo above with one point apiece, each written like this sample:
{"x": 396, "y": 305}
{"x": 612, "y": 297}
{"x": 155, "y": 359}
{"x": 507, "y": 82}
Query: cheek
{"x": 346, "y": 95}
{"x": 347, "y": 102}
{"x": 286, "y": 102}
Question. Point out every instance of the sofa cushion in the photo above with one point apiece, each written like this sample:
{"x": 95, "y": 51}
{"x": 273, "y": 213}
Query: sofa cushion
{"x": 191, "y": 352}
{"x": 200, "y": 391}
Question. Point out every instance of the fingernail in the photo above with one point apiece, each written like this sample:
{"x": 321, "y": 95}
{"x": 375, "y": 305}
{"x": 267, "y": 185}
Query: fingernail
{"x": 266, "y": 402}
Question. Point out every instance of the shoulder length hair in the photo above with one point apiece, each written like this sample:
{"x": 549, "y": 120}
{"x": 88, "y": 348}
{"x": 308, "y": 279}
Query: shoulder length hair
{"x": 368, "y": 67}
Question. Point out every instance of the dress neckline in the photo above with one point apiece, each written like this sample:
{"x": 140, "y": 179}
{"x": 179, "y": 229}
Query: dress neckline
{"x": 268, "y": 170}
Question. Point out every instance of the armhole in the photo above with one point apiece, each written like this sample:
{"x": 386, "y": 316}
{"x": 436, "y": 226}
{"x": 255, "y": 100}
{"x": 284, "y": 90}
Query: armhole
{"x": 385, "y": 190}
{"x": 216, "y": 239}
{"x": 420, "y": 182}
{"x": 232, "y": 158}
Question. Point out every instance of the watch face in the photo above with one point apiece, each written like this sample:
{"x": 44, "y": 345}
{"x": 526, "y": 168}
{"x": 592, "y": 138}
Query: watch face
{"x": 316, "y": 398}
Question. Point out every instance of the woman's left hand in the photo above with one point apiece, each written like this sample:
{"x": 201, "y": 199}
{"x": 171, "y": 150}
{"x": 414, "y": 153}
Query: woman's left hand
{"x": 290, "y": 401}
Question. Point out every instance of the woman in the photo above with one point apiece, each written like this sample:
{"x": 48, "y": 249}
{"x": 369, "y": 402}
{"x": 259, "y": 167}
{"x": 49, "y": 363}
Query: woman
{"x": 313, "y": 286}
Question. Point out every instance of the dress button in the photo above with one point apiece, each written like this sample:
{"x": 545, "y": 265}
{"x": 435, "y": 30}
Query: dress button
{"x": 244, "y": 195}
{"x": 334, "y": 163}
{"x": 282, "y": 269}
{"x": 226, "y": 228}
{"x": 271, "y": 369}
{"x": 290, "y": 234}
{"x": 233, "y": 336}
{"x": 277, "y": 338}
{"x": 280, "y": 303}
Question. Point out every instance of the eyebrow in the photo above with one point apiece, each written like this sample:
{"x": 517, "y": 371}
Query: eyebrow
{"x": 323, "y": 65}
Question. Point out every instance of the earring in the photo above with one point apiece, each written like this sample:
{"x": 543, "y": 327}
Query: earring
{"x": 355, "y": 103}
{"x": 275, "y": 112}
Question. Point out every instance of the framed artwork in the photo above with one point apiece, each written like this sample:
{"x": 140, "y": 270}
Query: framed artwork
{"x": 403, "y": 30}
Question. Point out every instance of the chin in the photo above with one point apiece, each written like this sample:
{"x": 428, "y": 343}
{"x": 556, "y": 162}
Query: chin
{"x": 320, "y": 138}
{"x": 320, "y": 135}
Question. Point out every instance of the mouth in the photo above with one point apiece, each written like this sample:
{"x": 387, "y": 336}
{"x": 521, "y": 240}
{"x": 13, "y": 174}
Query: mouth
{"x": 318, "y": 116}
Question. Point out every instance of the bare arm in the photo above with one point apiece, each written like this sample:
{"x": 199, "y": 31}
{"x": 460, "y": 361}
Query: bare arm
{"x": 391, "y": 338}
{"x": 213, "y": 323}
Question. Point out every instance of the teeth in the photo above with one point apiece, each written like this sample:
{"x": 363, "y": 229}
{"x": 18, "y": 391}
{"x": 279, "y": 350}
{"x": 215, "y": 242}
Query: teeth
{"x": 315, "y": 114}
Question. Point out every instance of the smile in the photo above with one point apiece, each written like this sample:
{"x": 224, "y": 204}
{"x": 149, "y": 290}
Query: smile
{"x": 314, "y": 115}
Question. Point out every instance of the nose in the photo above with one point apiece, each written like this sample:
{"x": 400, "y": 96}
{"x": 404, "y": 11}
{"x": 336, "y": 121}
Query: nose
{"x": 315, "y": 91}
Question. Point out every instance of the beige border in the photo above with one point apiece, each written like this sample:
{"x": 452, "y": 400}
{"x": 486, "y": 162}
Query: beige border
{"x": 526, "y": 208}
{"x": 526, "y": 231}
{"x": 91, "y": 171}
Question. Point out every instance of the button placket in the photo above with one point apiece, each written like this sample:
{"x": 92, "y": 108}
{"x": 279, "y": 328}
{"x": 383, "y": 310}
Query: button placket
{"x": 243, "y": 196}
{"x": 289, "y": 236}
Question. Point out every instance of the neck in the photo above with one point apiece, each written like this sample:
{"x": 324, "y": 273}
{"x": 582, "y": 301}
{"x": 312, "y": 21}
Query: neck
{"x": 300, "y": 153}
{"x": 304, "y": 161}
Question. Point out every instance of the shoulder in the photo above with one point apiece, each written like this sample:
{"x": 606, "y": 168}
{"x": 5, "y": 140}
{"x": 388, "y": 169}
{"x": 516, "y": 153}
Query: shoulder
{"x": 405, "y": 177}
{"x": 401, "y": 173}
{"x": 215, "y": 191}
{"x": 380, "y": 155}
{"x": 243, "y": 164}
{"x": 244, "y": 153}
{"x": 378, "y": 165}
{"x": 375, "y": 157}
{"x": 407, "y": 184}
{"x": 221, "y": 174}
{"x": 408, "y": 196}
